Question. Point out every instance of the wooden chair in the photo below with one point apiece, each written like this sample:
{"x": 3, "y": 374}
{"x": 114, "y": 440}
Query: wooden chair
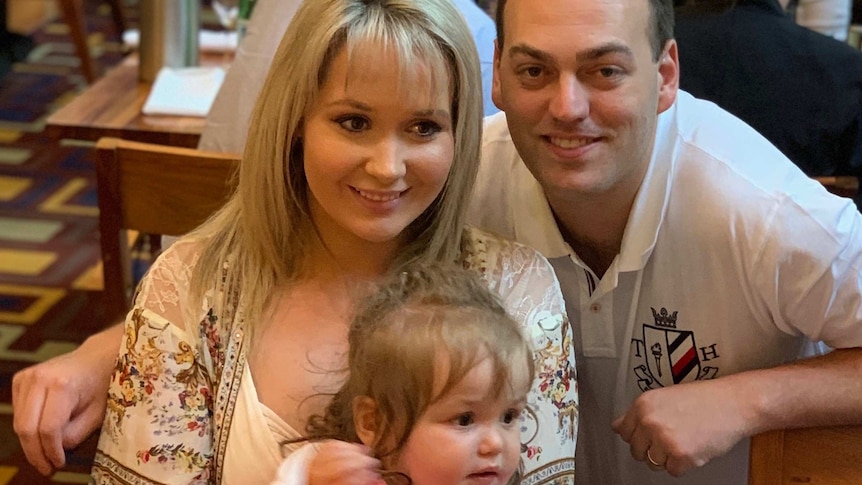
{"x": 156, "y": 190}
{"x": 73, "y": 13}
{"x": 843, "y": 185}
{"x": 822, "y": 456}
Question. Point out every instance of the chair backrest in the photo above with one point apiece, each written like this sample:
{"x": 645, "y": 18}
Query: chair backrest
{"x": 823, "y": 455}
{"x": 841, "y": 185}
{"x": 153, "y": 189}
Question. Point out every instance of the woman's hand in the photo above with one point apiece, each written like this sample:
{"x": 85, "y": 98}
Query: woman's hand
{"x": 58, "y": 403}
{"x": 342, "y": 463}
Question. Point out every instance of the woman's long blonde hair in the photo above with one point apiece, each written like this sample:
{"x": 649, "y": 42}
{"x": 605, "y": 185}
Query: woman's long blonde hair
{"x": 264, "y": 232}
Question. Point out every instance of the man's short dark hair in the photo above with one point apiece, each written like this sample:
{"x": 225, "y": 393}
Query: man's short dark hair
{"x": 661, "y": 25}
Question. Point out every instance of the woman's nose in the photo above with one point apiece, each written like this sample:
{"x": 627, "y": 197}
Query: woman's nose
{"x": 387, "y": 161}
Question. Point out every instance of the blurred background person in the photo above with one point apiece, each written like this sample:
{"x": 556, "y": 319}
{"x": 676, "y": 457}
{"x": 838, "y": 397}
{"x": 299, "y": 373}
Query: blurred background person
{"x": 800, "y": 89}
{"x": 829, "y": 17}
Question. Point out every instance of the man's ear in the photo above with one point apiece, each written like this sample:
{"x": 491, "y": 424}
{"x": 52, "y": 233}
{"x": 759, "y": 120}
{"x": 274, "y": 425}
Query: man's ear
{"x": 496, "y": 90}
{"x": 668, "y": 76}
{"x": 365, "y": 419}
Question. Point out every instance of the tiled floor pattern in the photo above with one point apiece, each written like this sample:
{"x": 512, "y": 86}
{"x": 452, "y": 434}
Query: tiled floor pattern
{"x": 49, "y": 252}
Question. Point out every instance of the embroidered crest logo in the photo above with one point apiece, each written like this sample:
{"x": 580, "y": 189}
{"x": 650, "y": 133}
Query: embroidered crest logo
{"x": 669, "y": 355}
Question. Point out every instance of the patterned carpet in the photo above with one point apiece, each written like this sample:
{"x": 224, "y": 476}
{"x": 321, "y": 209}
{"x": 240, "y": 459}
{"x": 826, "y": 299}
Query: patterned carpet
{"x": 49, "y": 250}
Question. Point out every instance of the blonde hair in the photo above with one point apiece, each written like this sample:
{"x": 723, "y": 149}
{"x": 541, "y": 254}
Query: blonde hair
{"x": 264, "y": 232}
{"x": 396, "y": 340}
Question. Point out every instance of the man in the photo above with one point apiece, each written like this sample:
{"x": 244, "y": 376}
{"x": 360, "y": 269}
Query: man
{"x": 799, "y": 89}
{"x": 691, "y": 253}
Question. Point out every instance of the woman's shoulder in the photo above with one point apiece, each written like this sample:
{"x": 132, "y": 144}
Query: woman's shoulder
{"x": 166, "y": 286}
{"x": 505, "y": 264}
{"x": 176, "y": 262}
{"x": 483, "y": 250}
{"x": 179, "y": 258}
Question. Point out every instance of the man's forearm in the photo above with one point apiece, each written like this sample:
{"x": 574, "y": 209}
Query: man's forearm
{"x": 820, "y": 391}
{"x": 105, "y": 344}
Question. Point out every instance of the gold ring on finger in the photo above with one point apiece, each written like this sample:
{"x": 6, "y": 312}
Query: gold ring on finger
{"x": 654, "y": 463}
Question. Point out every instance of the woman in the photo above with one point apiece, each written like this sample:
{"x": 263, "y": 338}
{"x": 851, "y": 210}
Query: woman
{"x": 361, "y": 159}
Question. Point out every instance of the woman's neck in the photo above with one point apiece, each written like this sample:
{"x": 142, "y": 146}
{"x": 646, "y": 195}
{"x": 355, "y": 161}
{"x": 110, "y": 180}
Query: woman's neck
{"x": 350, "y": 257}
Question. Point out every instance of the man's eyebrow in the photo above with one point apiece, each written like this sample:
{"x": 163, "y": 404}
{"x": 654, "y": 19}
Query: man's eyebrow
{"x": 523, "y": 49}
{"x": 604, "y": 50}
{"x": 583, "y": 56}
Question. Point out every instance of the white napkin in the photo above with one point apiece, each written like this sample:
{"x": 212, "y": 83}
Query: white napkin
{"x": 208, "y": 40}
{"x": 185, "y": 91}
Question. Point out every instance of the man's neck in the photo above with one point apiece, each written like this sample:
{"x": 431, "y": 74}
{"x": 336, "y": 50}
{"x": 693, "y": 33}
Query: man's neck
{"x": 593, "y": 227}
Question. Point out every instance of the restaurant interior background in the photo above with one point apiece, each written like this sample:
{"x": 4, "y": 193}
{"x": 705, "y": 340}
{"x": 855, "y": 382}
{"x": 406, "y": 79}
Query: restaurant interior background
{"x": 50, "y": 272}
{"x": 50, "y": 278}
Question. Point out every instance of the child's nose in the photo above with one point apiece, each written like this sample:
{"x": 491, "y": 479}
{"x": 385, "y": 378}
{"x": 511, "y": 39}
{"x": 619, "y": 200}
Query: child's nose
{"x": 492, "y": 442}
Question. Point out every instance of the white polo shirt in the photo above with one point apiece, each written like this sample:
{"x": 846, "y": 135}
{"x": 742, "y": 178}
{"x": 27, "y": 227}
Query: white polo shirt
{"x": 731, "y": 257}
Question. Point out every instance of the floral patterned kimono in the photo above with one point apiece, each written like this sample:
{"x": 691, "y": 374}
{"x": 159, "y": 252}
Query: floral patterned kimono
{"x": 182, "y": 407}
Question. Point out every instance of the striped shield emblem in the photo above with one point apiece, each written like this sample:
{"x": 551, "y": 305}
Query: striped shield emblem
{"x": 671, "y": 355}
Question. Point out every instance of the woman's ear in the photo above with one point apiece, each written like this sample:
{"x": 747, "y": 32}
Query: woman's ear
{"x": 365, "y": 419}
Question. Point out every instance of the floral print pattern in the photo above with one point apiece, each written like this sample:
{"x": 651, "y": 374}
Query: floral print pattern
{"x": 174, "y": 386}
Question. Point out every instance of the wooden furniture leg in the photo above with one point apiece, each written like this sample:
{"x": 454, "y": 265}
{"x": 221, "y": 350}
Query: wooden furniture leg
{"x": 73, "y": 12}
{"x": 118, "y": 16}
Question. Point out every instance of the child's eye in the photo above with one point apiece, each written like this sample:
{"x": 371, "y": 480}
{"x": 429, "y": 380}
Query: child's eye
{"x": 465, "y": 419}
{"x": 511, "y": 416}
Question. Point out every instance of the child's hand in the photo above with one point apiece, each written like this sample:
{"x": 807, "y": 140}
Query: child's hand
{"x": 342, "y": 463}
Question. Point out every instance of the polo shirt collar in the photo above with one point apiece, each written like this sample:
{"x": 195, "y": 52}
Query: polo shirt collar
{"x": 534, "y": 222}
{"x": 650, "y": 205}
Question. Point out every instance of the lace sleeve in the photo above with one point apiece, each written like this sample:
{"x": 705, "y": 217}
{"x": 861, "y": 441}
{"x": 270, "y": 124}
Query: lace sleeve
{"x": 529, "y": 290}
{"x": 158, "y": 424}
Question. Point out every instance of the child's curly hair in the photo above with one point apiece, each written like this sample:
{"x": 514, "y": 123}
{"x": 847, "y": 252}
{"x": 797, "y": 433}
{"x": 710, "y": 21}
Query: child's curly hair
{"x": 398, "y": 335}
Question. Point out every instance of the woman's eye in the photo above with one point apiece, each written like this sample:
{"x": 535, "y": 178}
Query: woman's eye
{"x": 426, "y": 128}
{"x": 465, "y": 419}
{"x": 353, "y": 123}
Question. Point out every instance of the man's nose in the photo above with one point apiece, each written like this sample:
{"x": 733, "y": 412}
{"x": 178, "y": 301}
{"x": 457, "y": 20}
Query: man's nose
{"x": 570, "y": 101}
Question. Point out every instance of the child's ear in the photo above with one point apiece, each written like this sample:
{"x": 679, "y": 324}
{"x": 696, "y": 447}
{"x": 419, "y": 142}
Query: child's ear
{"x": 365, "y": 419}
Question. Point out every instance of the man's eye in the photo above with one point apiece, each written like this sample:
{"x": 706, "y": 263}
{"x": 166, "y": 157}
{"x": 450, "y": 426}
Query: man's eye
{"x": 533, "y": 71}
{"x": 353, "y": 123}
{"x": 608, "y": 72}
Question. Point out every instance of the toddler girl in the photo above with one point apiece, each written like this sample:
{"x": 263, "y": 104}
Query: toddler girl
{"x": 438, "y": 376}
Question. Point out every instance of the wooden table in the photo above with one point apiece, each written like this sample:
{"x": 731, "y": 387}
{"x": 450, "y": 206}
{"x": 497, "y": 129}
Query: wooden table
{"x": 112, "y": 107}
{"x": 816, "y": 456}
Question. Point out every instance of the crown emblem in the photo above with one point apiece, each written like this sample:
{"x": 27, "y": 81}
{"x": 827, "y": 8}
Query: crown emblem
{"x": 663, "y": 318}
